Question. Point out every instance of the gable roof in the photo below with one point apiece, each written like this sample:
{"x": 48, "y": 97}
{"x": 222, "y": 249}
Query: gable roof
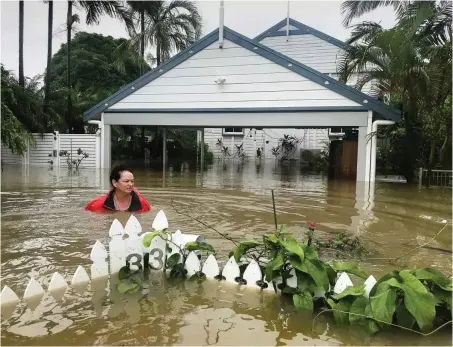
{"x": 365, "y": 100}
{"x": 302, "y": 29}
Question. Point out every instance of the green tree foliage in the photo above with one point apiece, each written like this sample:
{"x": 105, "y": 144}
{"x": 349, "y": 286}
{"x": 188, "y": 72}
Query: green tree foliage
{"x": 22, "y": 112}
{"x": 412, "y": 63}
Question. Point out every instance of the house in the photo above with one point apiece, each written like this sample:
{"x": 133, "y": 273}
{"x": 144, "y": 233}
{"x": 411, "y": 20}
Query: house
{"x": 310, "y": 47}
{"x": 248, "y": 90}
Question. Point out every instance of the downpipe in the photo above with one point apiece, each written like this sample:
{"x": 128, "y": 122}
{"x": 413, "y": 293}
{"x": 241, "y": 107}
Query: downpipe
{"x": 376, "y": 123}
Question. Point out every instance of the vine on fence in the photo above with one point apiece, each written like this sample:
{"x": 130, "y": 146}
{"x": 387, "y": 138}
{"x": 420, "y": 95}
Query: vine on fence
{"x": 75, "y": 162}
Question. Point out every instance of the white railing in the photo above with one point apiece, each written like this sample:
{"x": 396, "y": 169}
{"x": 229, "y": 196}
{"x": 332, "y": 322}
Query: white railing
{"x": 437, "y": 178}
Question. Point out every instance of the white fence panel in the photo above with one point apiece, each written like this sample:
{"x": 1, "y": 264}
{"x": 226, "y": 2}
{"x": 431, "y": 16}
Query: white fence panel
{"x": 72, "y": 142}
{"x": 39, "y": 151}
{"x": 9, "y": 158}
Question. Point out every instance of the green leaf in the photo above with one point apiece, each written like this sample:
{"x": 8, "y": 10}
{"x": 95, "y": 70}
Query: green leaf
{"x": 331, "y": 303}
{"x": 386, "y": 277}
{"x": 292, "y": 246}
{"x": 404, "y": 317}
{"x": 290, "y": 290}
{"x": 358, "y": 307}
{"x": 199, "y": 246}
{"x": 275, "y": 264}
{"x": 173, "y": 260}
{"x": 149, "y": 237}
{"x": 271, "y": 238}
{"x": 242, "y": 247}
{"x": 283, "y": 229}
{"x": 383, "y": 305}
{"x": 126, "y": 286}
{"x": 303, "y": 301}
{"x": 331, "y": 273}
{"x": 350, "y": 291}
{"x": 343, "y": 305}
{"x": 442, "y": 295}
{"x": 314, "y": 268}
{"x": 349, "y": 267}
{"x": 310, "y": 252}
{"x": 418, "y": 301}
{"x": 305, "y": 282}
{"x": 372, "y": 326}
{"x": 434, "y": 275}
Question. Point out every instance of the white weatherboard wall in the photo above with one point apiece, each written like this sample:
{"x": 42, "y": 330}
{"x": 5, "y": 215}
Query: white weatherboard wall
{"x": 251, "y": 81}
{"x": 41, "y": 152}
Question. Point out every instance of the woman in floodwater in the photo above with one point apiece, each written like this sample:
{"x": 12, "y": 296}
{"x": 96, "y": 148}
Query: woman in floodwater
{"x": 122, "y": 197}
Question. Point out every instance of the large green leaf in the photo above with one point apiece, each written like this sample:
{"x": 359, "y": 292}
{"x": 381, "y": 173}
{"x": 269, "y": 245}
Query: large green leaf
{"x": 404, "y": 317}
{"x": 314, "y": 268}
{"x": 199, "y": 246}
{"x": 383, "y": 305}
{"x": 292, "y": 246}
{"x": 434, "y": 275}
{"x": 173, "y": 260}
{"x": 271, "y": 238}
{"x": 343, "y": 305}
{"x": 309, "y": 252}
{"x": 358, "y": 307}
{"x": 372, "y": 326}
{"x": 275, "y": 264}
{"x": 418, "y": 301}
{"x": 331, "y": 273}
{"x": 378, "y": 285}
{"x": 244, "y": 246}
{"x": 303, "y": 301}
{"x": 305, "y": 282}
{"x": 349, "y": 267}
{"x": 442, "y": 295}
{"x": 350, "y": 291}
{"x": 149, "y": 237}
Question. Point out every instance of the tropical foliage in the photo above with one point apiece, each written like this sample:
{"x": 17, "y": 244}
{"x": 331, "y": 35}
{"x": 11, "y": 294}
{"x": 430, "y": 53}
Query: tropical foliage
{"x": 415, "y": 299}
{"x": 411, "y": 63}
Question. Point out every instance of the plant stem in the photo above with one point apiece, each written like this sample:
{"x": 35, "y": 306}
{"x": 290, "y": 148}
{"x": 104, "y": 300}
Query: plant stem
{"x": 275, "y": 214}
{"x": 203, "y": 223}
{"x": 381, "y": 321}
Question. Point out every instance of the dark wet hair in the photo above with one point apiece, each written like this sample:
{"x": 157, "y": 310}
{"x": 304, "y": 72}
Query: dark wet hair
{"x": 115, "y": 174}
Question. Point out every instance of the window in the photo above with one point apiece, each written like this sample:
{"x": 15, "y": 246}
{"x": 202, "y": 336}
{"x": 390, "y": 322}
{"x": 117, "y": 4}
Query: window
{"x": 233, "y": 131}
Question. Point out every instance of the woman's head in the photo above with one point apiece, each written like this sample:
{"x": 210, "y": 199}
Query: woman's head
{"x": 122, "y": 179}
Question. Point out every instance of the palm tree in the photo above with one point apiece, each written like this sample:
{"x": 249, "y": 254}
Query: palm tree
{"x": 21, "y": 44}
{"x": 412, "y": 62}
{"x": 94, "y": 10}
{"x": 49, "y": 55}
{"x": 355, "y": 8}
{"x": 169, "y": 27}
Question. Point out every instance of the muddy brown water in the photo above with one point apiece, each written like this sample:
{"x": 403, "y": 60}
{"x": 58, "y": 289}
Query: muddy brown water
{"x": 45, "y": 229}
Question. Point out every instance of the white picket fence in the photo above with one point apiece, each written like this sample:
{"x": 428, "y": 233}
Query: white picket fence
{"x": 46, "y": 148}
{"x": 131, "y": 249}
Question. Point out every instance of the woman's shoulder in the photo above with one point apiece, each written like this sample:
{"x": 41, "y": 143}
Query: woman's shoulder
{"x": 97, "y": 203}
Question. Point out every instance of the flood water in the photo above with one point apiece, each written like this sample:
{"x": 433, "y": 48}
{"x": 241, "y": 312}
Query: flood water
{"x": 45, "y": 229}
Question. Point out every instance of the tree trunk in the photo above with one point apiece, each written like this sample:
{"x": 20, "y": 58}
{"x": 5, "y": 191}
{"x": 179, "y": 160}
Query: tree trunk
{"x": 69, "y": 106}
{"x": 444, "y": 148}
{"x": 158, "y": 58}
{"x": 21, "y": 44}
{"x": 49, "y": 56}
{"x": 142, "y": 39}
{"x": 142, "y": 70}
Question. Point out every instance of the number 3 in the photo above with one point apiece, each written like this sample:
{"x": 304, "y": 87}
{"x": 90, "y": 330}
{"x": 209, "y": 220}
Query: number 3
{"x": 137, "y": 262}
{"x": 159, "y": 258}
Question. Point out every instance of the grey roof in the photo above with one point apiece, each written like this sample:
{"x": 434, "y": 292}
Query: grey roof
{"x": 368, "y": 102}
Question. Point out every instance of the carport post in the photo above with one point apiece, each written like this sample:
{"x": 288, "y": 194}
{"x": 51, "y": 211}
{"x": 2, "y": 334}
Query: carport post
{"x": 202, "y": 148}
{"x": 164, "y": 148}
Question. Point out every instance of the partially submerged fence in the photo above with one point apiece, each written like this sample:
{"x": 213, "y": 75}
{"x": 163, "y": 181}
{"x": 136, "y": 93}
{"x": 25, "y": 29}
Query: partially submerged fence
{"x": 127, "y": 247}
{"x": 435, "y": 178}
{"x": 45, "y": 150}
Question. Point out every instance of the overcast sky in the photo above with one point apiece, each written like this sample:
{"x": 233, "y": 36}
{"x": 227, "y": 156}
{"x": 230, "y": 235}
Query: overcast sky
{"x": 249, "y": 18}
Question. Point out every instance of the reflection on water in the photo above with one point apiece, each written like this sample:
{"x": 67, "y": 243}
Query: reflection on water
{"x": 45, "y": 229}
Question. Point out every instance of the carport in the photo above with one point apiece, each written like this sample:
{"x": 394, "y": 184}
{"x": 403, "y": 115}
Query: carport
{"x": 229, "y": 80}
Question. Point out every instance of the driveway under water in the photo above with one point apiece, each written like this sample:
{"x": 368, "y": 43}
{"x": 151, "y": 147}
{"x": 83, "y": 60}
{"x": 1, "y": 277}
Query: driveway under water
{"x": 45, "y": 229}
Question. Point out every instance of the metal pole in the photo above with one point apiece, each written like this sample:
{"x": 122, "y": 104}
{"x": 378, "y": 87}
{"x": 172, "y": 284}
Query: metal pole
{"x": 202, "y": 149}
{"x": 164, "y": 150}
{"x": 287, "y": 23}
{"x": 420, "y": 177}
